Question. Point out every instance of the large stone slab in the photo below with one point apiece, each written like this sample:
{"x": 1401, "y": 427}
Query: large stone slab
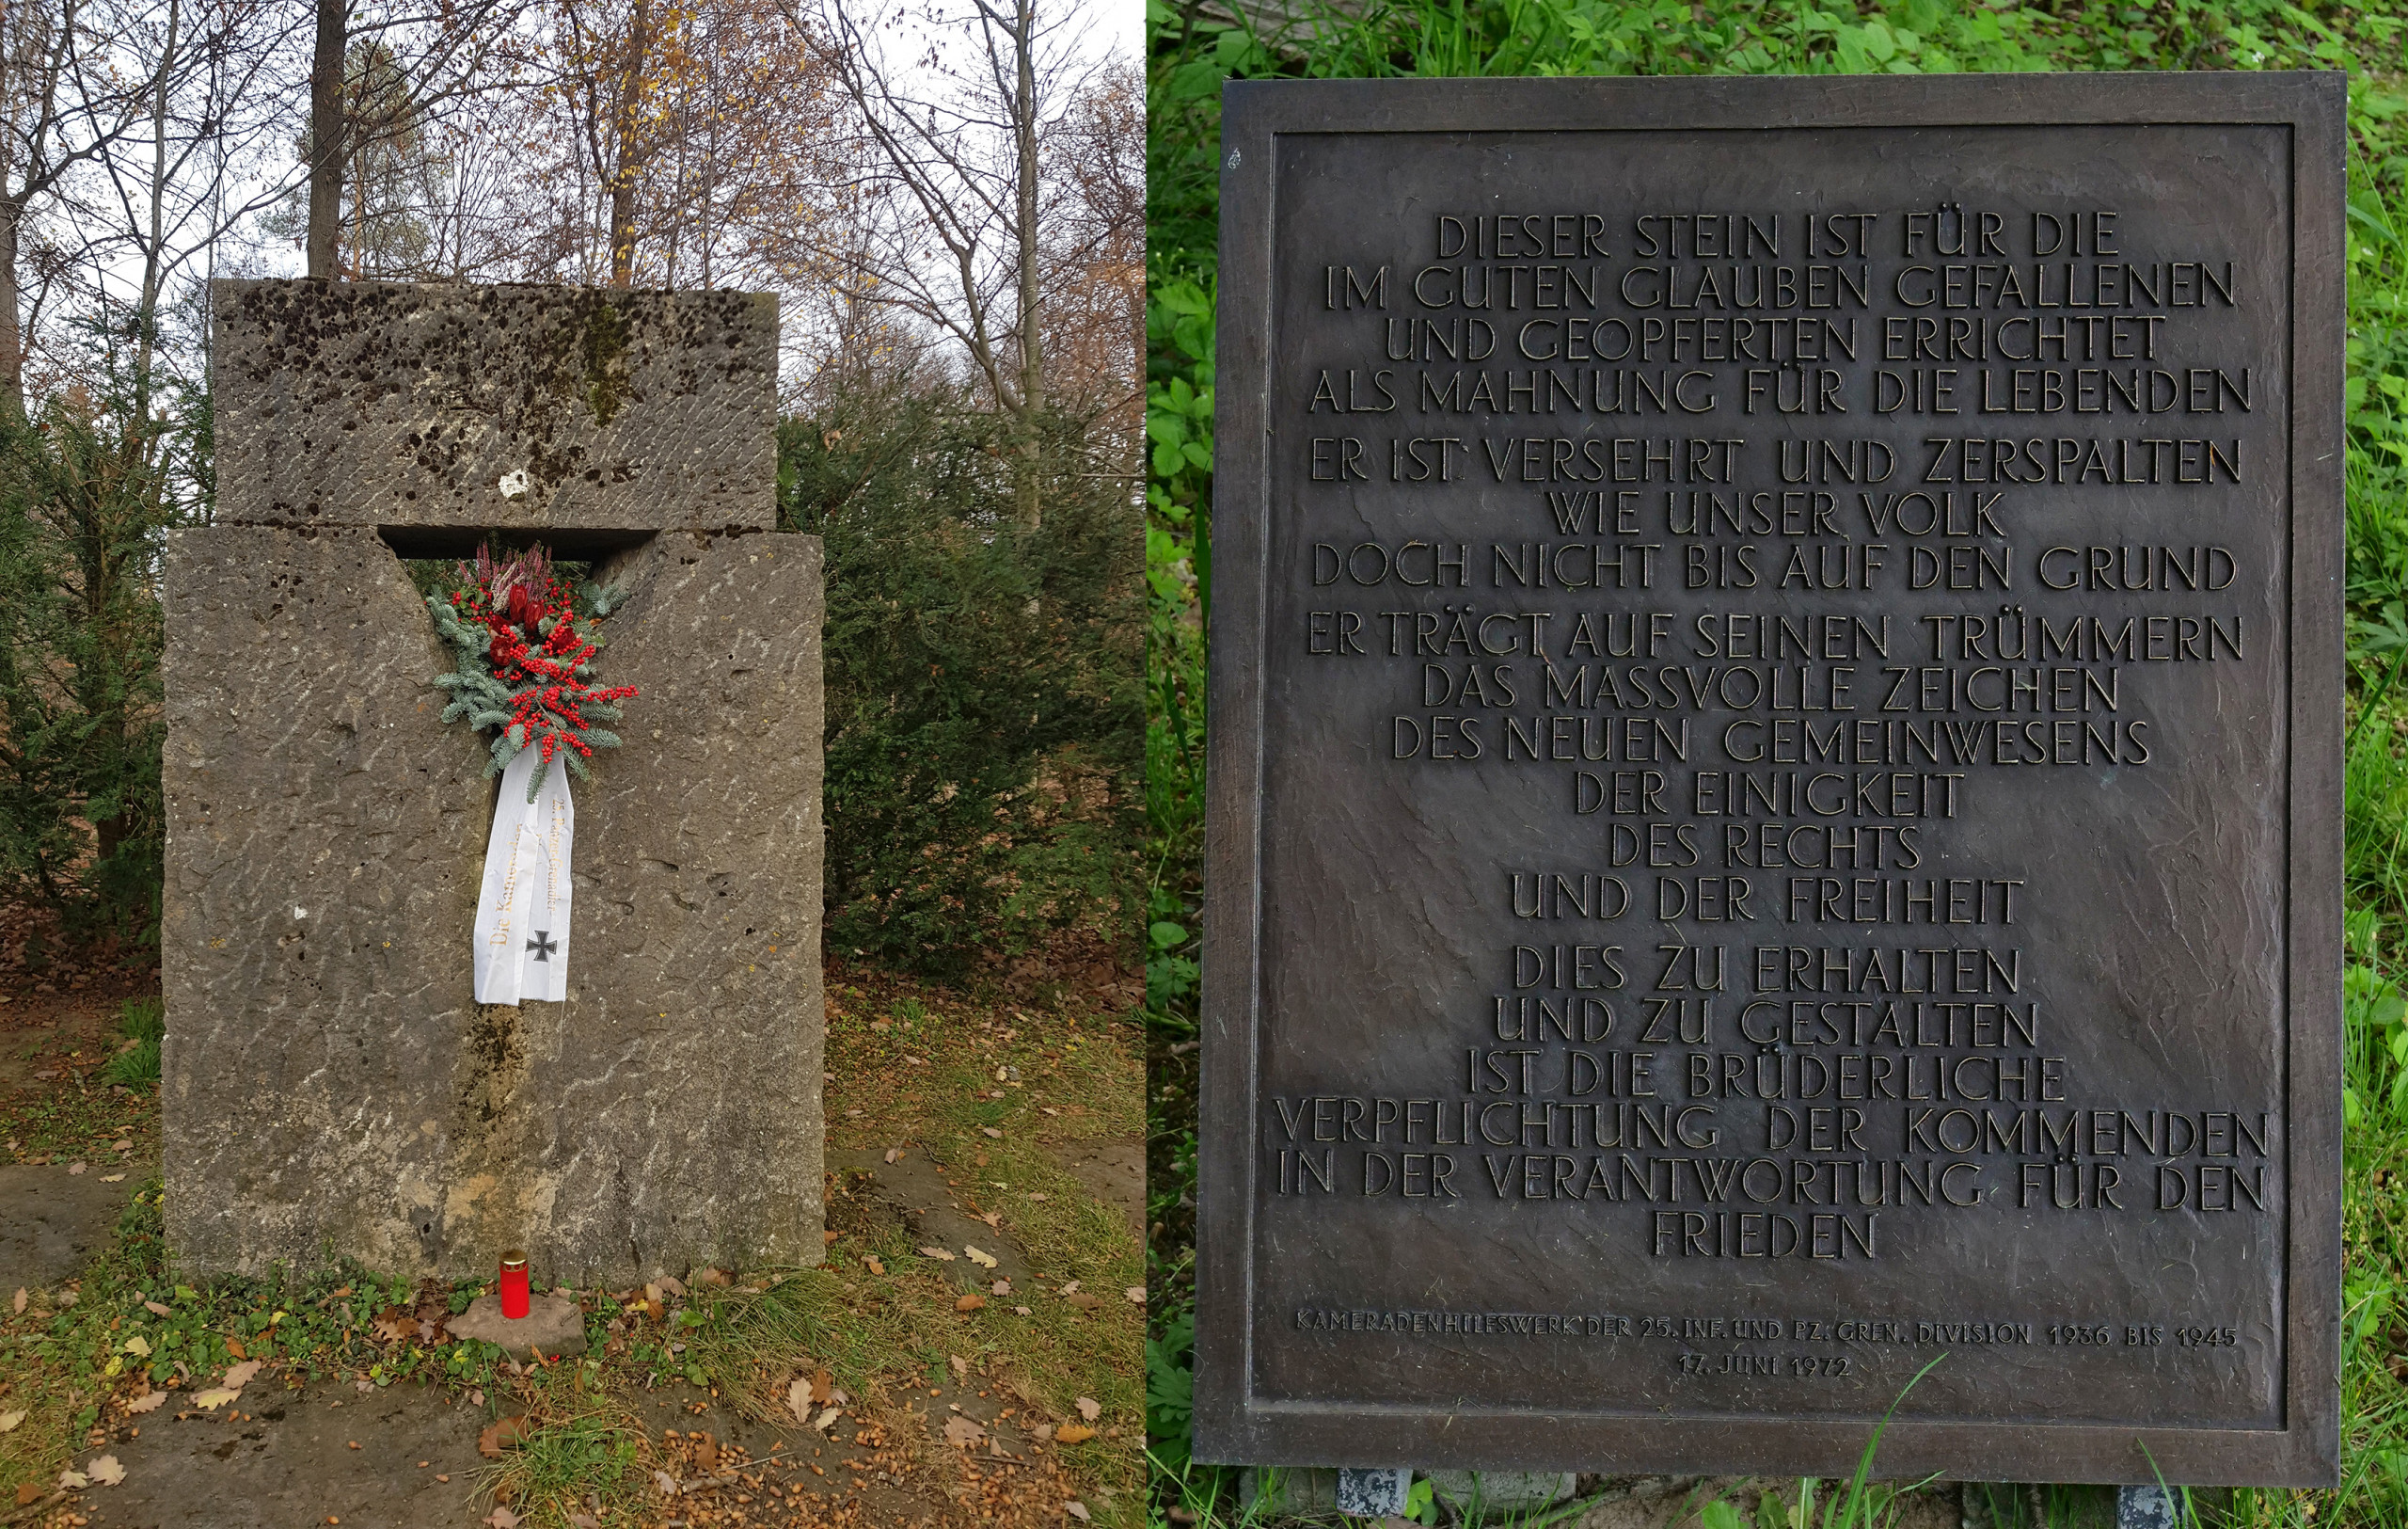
{"x": 423, "y": 407}
{"x": 330, "y": 1084}
{"x": 1609, "y": 1057}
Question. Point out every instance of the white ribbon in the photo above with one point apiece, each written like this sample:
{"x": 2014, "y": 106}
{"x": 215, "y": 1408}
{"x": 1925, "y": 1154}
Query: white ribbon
{"x": 522, "y": 910}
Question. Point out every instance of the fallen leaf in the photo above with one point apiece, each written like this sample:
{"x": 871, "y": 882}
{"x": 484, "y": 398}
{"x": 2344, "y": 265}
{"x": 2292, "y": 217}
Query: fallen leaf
{"x": 234, "y": 1346}
{"x": 1076, "y": 1509}
{"x": 140, "y": 1346}
{"x": 992, "y": 1132}
{"x": 397, "y": 1326}
{"x": 828, "y": 1239}
{"x": 73, "y": 1169}
{"x": 706, "y": 1451}
{"x": 979, "y": 1256}
{"x": 960, "y": 1366}
{"x": 211, "y": 1399}
{"x": 1001, "y": 1287}
{"x": 673, "y": 1286}
{"x": 112, "y": 1178}
{"x": 21, "y": 1300}
{"x": 893, "y": 1154}
{"x": 1072, "y": 1433}
{"x": 823, "y": 1385}
{"x": 826, "y": 1418}
{"x": 798, "y": 1401}
{"x": 875, "y": 1266}
{"x": 961, "y": 1432}
{"x": 477, "y": 1397}
{"x": 995, "y": 1447}
{"x": 1040, "y": 1431}
{"x": 507, "y": 1434}
{"x": 1086, "y": 1303}
{"x": 1089, "y": 1408}
{"x": 26, "y": 1492}
{"x": 158, "y": 1308}
{"x": 994, "y": 1218}
{"x": 10, "y": 1420}
{"x": 946, "y": 1253}
{"x": 501, "y": 1517}
{"x": 1136, "y": 1294}
{"x": 338, "y": 1292}
{"x": 652, "y": 1293}
{"x": 718, "y": 1277}
{"x": 239, "y": 1375}
{"x": 1070, "y": 1287}
{"x": 969, "y": 1303}
{"x": 105, "y": 1470}
{"x": 149, "y": 1402}
{"x": 120, "y": 1146}
{"x": 73, "y": 1480}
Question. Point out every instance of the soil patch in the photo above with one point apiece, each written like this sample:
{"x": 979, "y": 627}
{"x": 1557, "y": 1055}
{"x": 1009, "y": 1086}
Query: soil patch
{"x": 53, "y": 1221}
{"x": 918, "y": 1189}
{"x": 292, "y": 1463}
{"x": 1112, "y": 1169}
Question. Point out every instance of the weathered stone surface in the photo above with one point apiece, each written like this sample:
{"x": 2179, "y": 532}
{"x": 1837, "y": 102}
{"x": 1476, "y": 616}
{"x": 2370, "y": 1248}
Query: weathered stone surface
{"x": 402, "y": 406}
{"x": 330, "y": 1084}
{"x": 553, "y": 1324}
{"x": 323, "y": 834}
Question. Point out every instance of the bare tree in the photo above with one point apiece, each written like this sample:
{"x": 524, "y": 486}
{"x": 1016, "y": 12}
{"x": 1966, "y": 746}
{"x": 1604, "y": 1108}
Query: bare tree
{"x": 1095, "y": 256}
{"x": 435, "y": 56}
{"x": 951, "y": 186}
{"x": 60, "y": 107}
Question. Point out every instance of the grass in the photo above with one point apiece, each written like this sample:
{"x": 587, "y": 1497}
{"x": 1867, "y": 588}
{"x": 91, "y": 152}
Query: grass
{"x": 63, "y": 1360}
{"x": 144, "y": 1022}
{"x": 1192, "y": 48}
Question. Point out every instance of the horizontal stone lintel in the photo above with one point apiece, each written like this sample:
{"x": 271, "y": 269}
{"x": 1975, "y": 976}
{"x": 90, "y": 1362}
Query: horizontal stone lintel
{"x": 567, "y": 413}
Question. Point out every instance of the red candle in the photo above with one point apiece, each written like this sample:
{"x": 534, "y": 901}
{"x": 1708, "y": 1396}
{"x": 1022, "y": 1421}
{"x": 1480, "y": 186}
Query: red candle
{"x": 513, "y": 1283}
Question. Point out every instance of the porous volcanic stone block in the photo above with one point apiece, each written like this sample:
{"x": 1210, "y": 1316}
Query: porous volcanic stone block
{"x": 331, "y": 1087}
{"x": 364, "y": 403}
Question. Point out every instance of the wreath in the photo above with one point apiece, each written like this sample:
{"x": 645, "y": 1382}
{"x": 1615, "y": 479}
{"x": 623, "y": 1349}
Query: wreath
{"x": 524, "y": 670}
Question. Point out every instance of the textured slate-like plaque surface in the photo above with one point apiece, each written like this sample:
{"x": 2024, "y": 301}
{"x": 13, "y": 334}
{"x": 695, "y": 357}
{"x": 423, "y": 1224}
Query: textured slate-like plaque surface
{"x": 1775, "y": 810}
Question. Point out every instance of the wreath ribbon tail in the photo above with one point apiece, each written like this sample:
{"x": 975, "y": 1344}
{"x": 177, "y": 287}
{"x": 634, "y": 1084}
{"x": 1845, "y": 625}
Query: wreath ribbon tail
{"x": 522, "y": 928}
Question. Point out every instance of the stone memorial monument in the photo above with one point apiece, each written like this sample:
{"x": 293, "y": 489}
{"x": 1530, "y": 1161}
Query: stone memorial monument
{"x": 331, "y": 1087}
{"x": 1775, "y": 819}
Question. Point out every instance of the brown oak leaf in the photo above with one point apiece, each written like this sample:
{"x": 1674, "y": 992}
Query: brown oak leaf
{"x": 508, "y": 1434}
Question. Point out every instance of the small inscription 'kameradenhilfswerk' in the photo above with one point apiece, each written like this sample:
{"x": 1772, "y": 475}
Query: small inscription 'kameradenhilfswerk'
{"x": 1774, "y": 707}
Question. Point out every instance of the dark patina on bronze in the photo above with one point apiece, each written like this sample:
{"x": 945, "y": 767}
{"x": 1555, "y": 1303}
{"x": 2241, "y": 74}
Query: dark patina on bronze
{"x": 1775, "y": 797}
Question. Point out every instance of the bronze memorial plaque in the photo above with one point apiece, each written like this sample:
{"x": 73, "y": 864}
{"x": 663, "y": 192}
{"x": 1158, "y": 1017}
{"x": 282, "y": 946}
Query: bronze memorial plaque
{"x": 1775, "y": 777}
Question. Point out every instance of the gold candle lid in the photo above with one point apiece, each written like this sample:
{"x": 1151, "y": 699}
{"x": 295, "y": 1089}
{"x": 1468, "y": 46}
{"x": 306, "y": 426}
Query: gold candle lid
{"x": 514, "y": 1259}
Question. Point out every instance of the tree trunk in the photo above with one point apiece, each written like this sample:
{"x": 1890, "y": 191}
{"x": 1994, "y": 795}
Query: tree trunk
{"x": 155, "y": 247}
{"x": 1031, "y": 355}
{"x": 326, "y": 137}
{"x": 12, "y": 332}
{"x": 627, "y": 161}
